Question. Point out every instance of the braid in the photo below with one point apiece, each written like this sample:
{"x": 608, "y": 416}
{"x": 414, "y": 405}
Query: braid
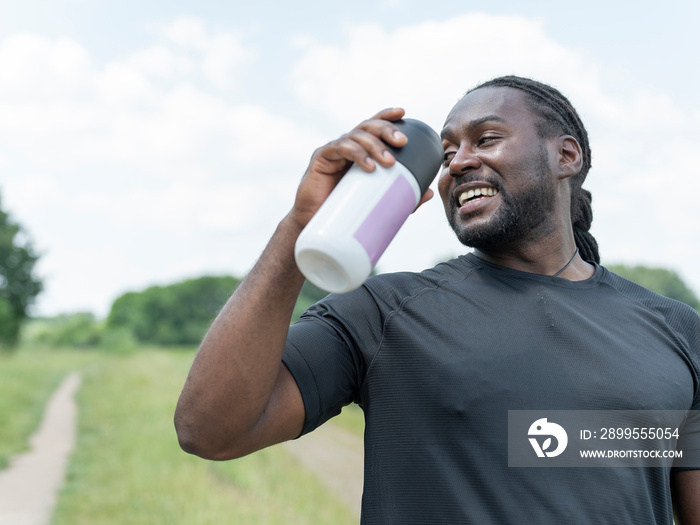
{"x": 581, "y": 218}
{"x": 558, "y": 116}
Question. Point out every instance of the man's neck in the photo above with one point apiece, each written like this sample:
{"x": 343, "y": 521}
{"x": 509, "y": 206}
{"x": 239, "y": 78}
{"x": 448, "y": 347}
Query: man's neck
{"x": 544, "y": 258}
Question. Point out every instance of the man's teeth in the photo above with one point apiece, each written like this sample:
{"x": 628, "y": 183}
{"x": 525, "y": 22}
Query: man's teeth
{"x": 478, "y": 192}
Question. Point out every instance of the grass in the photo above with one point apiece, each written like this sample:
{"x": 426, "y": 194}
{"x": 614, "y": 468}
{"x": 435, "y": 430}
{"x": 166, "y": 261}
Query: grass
{"x": 352, "y": 419}
{"x": 128, "y": 467}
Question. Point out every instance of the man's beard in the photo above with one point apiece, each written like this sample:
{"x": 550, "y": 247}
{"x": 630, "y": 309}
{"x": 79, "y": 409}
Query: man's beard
{"x": 520, "y": 217}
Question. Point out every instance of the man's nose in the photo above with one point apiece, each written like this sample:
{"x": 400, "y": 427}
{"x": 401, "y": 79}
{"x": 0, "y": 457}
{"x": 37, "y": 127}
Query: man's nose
{"x": 465, "y": 160}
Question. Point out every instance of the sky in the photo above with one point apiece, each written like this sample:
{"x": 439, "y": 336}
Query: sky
{"x": 142, "y": 143}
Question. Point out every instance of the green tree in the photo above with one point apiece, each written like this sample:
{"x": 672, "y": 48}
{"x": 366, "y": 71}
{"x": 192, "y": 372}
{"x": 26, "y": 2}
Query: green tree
{"x": 659, "y": 280}
{"x": 313, "y": 292}
{"x": 177, "y": 314}
{"x": 310, "y": 294}
{"x": 18, "y": 284}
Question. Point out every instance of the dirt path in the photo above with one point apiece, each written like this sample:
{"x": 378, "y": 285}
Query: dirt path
{"x": 29, "y": 485}
{"x": 336, "y": 457}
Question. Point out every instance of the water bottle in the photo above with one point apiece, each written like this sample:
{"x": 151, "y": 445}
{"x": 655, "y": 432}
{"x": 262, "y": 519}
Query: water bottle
{"x": 343, "y": 241}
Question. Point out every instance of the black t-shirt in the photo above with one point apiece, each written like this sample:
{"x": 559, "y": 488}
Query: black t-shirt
{"x": 437, "y": 359}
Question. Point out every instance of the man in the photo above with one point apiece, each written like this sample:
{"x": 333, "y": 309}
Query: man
{"x": 529, "y": 321}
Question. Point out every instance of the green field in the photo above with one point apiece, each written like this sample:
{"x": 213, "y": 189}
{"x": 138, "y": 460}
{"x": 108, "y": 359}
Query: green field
{"x": 128, "y": 468}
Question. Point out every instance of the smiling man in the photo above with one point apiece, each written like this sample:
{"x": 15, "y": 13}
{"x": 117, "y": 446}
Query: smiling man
{"x": 528, "y": 321}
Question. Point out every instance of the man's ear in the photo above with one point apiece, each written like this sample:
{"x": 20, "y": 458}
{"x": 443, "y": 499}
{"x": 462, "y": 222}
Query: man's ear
{"x": 570, "y": 157}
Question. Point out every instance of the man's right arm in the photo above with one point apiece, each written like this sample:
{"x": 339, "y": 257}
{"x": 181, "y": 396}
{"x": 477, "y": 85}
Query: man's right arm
{"x": 238, "y": 396}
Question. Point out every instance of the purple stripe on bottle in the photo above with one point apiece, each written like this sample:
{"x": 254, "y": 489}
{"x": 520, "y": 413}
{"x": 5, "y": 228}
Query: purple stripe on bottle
{"x": 384, "y": 221}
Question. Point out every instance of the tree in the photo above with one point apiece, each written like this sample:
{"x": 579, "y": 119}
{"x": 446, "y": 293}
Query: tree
{"x": 177, "y": 314}
{"x": 659, "y": 280}
{"x": 310, "y": 293}
{"x": 18, "y": 284}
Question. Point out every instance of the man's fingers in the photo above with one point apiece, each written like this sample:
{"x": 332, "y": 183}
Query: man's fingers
{"x": 354, "y": 148}
{"x": 372, "y": 140}
{"x": 372, "y": 136}
{"x": 366, "y": 144}
{"x": 381, "y": 126}
{"x": 390, "y": 114}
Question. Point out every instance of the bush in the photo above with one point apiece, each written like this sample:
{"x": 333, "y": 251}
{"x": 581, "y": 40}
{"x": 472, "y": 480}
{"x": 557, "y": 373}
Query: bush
{"x": 76, "y": 330}
{"x": 178, "y": 314}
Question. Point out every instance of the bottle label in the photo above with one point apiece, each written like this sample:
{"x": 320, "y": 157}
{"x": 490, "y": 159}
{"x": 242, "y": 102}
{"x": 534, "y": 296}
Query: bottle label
{"x": 386, "y": 218}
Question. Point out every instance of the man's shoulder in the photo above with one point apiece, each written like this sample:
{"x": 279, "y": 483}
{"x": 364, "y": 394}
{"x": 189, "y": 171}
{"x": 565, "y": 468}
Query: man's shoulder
{"x": 384, "y": 294}
{"x": 676, "y": 313}
{"x": 409, "y": 283}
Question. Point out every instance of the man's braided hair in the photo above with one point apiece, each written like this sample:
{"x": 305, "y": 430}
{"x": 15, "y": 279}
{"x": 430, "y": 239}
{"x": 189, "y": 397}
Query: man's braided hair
{"x": 558, "y": 116}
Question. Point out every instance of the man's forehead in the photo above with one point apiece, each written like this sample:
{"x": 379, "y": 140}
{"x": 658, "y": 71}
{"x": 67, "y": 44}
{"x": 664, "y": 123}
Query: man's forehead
{"x": 502, "y": 102}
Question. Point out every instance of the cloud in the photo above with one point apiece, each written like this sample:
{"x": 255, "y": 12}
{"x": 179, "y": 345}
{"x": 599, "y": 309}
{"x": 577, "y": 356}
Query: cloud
{"x": 220, "y": 54}
{"x": 162, "y": 63}
{"x": 36, "y": 69}
{"x": 142, "y": 147}
{"x": 147, "y": 109}
{"x": 427, "y": 67}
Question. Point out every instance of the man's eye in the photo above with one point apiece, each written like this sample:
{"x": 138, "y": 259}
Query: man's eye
{"x": 487, "y": 138}
{"x": 447, "y": 158}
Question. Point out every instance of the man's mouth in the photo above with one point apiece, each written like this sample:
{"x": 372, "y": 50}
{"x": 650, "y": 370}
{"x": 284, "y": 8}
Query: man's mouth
{"x": 474, "y": 194}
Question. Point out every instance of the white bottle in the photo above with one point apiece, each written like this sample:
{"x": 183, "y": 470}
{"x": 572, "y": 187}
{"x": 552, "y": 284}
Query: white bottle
{"x": 344, "y": 239}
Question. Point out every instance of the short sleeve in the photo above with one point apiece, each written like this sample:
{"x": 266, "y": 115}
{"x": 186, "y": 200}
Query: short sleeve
{"x": 324, "y": 368}
{"x": 327, "y": 352}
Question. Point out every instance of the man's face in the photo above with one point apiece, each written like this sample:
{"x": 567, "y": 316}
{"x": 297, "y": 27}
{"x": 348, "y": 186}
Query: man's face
{"x": 497, "y": 182}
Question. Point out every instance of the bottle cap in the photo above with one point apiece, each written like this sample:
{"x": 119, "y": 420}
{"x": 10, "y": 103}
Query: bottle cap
{"x": 423, "y": 152}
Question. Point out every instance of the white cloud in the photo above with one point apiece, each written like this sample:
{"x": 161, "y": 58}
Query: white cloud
{"x": 34, "y": 68}
{"x": 269, "y": 141}
{"x": 145, "y": 110}
{"x": 160, "y": 62}
{"x": 186, "y": 32}
{"x": 221, "y": 54}
{"x": 428, "y": 66}
{"x": 134, "y": 152}
{"x": 122, "y": 86}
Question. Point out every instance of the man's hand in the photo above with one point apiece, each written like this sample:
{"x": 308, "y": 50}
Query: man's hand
{"x": 365, "y": 146}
